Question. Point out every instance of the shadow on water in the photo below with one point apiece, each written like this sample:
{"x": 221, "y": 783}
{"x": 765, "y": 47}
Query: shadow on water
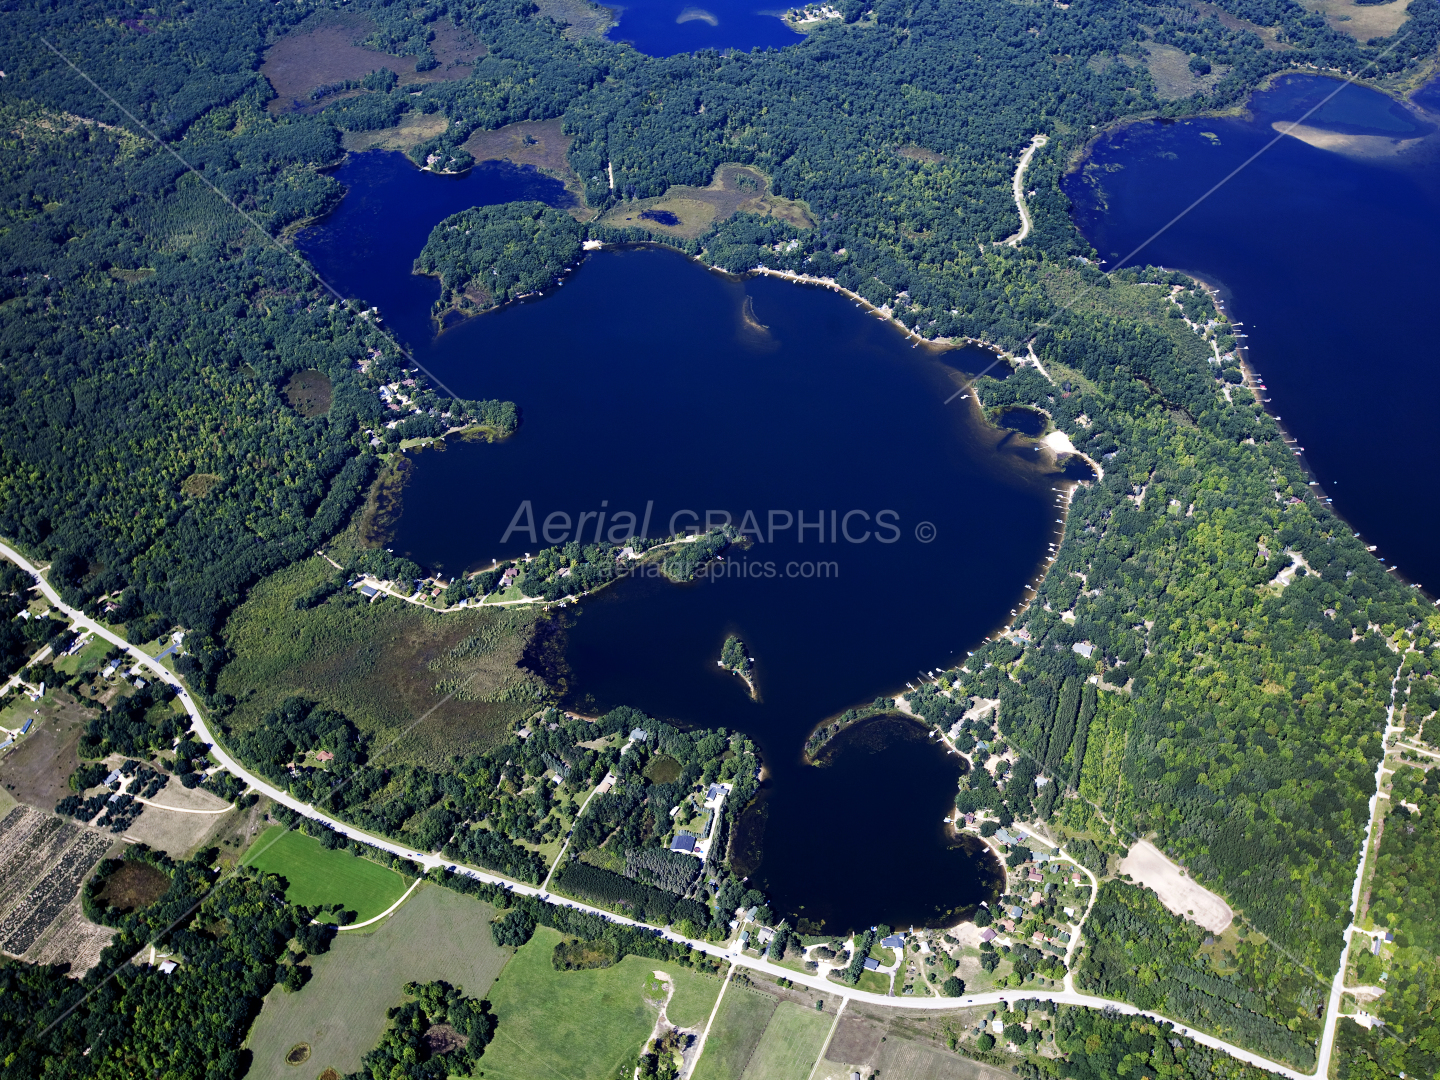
{"x": 888, "y": 533}
{"x": 1327, "y": 247}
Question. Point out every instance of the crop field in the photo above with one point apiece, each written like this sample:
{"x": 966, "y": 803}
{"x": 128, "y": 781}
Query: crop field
{"x": 340, "y": 1014}
{"x": 899, "y": 1042}
{"x": 321, "y": 877}
{"x": 71, "y": 939}
{"x": 30, "y": 917}
{"x": 791, "y": 1043}
{"x": 382, "y": 665}
{"x": 29, "y": 842}
{"x": 744, "y": 1015}
{"x": 578, "y": 1025}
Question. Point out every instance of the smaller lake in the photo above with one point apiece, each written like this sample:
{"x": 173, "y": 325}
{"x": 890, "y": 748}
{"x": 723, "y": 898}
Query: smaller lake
{"x": 667, "y": 27}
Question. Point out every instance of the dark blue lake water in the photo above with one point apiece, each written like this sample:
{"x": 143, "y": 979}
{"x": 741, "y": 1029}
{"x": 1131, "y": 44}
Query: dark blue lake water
{"x": 667, "y": 27}
{"x": 650, "y": 385}
{"x": 1327, "y": 247}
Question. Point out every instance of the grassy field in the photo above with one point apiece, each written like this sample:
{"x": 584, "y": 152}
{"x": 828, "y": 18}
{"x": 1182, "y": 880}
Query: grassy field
{"x": 381, "y": 664}
{"x": 318, "y": 876}
{"x": 791, "y": 1043}
{"x": 436, "y": 934}
{"x": 695, "y": 996}
{"x": 688, "y": 211}
{"x": 744, "y": 1015}
{"x": 579, "y": 1025}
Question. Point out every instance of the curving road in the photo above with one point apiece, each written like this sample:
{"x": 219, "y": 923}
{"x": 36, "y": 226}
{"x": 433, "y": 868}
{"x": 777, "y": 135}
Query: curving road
{"x": 1018, "y": 189}
{"x": 1068, "y": 996}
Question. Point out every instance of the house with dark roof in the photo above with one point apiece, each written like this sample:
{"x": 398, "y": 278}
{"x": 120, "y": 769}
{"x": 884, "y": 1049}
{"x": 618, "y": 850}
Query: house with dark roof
{"x": 894, "y": 941}
{"x": 871, "y": 964}
{"x": 683, "y": 842}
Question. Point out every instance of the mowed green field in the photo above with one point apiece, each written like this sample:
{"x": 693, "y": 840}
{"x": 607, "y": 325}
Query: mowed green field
{"x": 579, "y": 1025}
{"x": 744, "y": 1015}
{"x": 791, "y": 1043}
{"x": 340, "y": 1013}
{"x": 321, "y": 877}
{"x": 694, "y": 996}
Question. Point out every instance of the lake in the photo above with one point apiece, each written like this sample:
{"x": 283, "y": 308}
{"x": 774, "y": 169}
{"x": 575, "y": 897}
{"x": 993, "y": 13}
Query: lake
{"x": 892, "y": 531}
{"x": 667, "y": 27}
{"x": 1327, "y": 247}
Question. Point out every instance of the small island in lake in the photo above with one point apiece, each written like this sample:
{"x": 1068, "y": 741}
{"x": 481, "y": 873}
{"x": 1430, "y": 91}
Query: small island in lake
{"x": 733, "y": 658}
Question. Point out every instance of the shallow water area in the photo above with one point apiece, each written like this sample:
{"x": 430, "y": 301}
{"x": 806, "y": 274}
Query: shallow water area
{"x": 888, "y": 531}
{"x": 1327, "y": 248}
{"x": 667, "y": 27}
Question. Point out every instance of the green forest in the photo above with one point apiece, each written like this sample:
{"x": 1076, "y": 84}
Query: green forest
{"x": 1402, "y": 900}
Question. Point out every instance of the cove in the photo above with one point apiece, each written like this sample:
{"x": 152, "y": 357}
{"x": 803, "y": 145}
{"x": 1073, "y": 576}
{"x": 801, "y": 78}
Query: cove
{"x": 668, "y": 27}
{"x": 1327, "y": 247}
{"x": 647, "y": 381}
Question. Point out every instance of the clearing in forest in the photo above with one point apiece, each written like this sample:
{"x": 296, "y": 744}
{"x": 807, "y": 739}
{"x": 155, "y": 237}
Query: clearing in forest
{"x": 381, "y": 664}
{"x": 327, "y": 49}
{"x": 340, "y": 1013}
{"x": 540, "y": 143}
{"x": 687, "y": 212}
{"x": 308, "y": 392}
{"x": 1180, "y": 893}
{"x": 321, "y": 877}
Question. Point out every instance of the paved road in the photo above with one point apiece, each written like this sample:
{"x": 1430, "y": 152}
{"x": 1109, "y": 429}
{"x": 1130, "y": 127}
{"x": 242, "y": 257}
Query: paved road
{"x": 429, "y": 862}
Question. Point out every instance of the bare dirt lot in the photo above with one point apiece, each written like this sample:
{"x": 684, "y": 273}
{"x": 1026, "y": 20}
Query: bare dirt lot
{"x": 856, "y": 1040}
{"x": 896, "y": 1042}
{"x": 174, "y": 833}
{"x": 689, "y": 211}
{"x": 37, "y": 771}
{"x": 1176, "y": 890}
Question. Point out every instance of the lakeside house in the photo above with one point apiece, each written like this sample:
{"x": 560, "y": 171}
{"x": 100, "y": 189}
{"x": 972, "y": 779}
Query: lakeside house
{"x": 988, "y": 934}
{"x": 894, "y": 941}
